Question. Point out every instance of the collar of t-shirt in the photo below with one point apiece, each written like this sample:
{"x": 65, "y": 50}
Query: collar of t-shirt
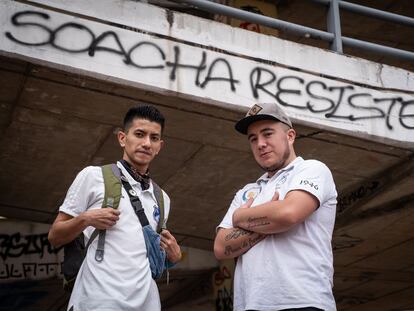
{"x": 265, "y": 177}
{"x": 131, "y": 179}
{"x": 133, "y": 182}
{"x": 143, "y": 179}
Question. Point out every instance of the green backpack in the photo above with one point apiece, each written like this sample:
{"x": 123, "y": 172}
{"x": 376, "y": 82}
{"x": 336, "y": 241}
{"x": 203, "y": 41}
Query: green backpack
{"x": 75, "y": 251}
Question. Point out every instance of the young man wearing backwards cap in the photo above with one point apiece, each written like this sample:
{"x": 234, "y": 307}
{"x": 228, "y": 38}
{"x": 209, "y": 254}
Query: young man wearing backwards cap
{"x": 280, "y": 226}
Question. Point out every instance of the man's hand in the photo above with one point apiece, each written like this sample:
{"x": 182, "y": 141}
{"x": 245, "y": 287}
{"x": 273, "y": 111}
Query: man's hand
{"x": 275, "y": 196}
{"x": 277, "y": 215}
{"x": 250, "y": 201}
{"x": 66, "y": 228}
{"x": 170, "y": 245}
{"x": 247, "y": 204}
{"x": 243, "y": 206}
{"x": 102, "y": 218}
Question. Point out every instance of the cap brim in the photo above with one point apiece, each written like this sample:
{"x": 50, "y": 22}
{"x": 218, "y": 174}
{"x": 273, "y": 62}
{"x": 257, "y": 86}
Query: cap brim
{"x": 244, "y": 123}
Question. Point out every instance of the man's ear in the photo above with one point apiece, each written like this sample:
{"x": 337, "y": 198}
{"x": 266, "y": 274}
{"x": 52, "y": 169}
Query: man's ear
{"x": 291, "y": 134}
{"x": 161, "y": 145}
{"x": 121, "y": 138}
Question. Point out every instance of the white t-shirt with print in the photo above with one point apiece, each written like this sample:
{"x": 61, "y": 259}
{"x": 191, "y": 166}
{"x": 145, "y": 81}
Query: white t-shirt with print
{"x": 122, "y": 281}
{"x": 292, "y": 269}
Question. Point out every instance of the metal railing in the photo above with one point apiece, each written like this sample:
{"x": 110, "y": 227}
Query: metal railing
{"x": 333, "y": 36}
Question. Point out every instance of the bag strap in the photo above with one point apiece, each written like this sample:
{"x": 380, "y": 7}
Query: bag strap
{"x": 113, "y": 186}
{"x": 112, "y": 197}
{"x": 135, "y": 201}
{"x": 137, "y": 205}
{"x": 113, "y": 178}
{"x": 159, "y": 196}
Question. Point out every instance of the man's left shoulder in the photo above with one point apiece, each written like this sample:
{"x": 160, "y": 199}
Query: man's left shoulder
{"x": 314, "y": 169}
{"x": 158, "y": 191}
{"x": 314, "y": 164}
{"x": 166, "y": 196}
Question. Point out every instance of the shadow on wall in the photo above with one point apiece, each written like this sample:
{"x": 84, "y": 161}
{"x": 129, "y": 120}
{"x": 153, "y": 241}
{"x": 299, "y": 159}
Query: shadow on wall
{"x": 33, "y": 295}
{"x": 30, "y": 268}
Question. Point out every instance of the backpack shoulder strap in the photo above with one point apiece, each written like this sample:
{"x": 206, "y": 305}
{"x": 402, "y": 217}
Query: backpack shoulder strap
{"x": 112, "y": 196}
{"x": 159, "y": 196}
{"x": 113, "y": 187}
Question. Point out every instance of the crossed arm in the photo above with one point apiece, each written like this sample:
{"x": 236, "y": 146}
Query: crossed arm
{"x": 233, "y": 242}
{"x": 251, "y": 225}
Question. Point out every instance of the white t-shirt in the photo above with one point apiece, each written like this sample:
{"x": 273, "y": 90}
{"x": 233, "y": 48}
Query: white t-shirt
{"x": 292, "y": 269}
{"x": 122, "y": 281}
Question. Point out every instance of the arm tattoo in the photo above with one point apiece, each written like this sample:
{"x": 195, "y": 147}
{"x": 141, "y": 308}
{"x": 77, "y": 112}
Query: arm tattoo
{"x": 236, "y": 233}
{"x": 257, "y": 222}
{"x": 255, "y": 240}
{"x": 229, "y": 250}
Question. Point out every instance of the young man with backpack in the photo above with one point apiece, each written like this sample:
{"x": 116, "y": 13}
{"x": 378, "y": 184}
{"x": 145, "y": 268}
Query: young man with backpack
{"x": 116, "y": 272}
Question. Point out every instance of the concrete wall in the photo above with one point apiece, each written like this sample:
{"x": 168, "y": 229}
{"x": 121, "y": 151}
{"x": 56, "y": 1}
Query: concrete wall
{"x": 151, "y": 48}
{"x": 31, "y": 277}
{"x": 25, "y": 252}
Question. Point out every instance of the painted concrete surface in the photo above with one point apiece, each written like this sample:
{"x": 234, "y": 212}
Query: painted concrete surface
{"x": 234, "y": 79}
{"x": 191, "y": 29}
{"x": 31, "y": 275}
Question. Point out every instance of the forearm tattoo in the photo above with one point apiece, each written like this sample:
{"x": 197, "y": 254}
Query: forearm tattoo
{"x": 253, "y": 222}
{"x": 236, "y": 233}
{"x": 228, "y": 250}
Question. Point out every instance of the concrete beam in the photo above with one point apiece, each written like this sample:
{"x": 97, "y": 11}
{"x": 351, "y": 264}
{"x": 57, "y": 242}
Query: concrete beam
{"x": 357, "y": 195}
{"x": 380, "y": 211}
{"x": 100, "y": 45}
{"x": 363, "y": 274}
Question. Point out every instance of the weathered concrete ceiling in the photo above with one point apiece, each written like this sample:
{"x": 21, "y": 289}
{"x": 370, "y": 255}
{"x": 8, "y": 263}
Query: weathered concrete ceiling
{"x": 54, "y": 123}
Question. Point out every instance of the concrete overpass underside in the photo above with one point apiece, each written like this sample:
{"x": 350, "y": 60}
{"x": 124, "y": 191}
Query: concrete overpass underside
{"x": 53, "y": 123}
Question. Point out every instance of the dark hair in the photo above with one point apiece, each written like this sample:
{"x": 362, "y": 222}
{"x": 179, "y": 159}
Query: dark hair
{"x": 146, "y": 112}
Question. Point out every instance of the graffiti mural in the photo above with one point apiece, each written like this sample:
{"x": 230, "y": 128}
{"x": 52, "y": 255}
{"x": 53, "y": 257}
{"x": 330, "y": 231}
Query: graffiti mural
{"x": 25, "y": 252}
{"x": 223, "y": 285}
{"x": 221, "y": 75}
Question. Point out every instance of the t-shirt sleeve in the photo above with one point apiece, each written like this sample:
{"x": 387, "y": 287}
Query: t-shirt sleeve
{"x": 227, "y": 221}
{"x": 315, "y": 178}
{"x": 81, "y": 194}
{"x": 167, "y": 206}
